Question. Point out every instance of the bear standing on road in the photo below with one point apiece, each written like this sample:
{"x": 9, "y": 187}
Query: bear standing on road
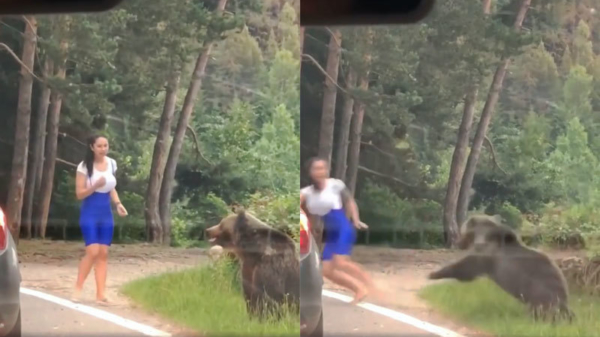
{"x": 269, "y": 263}
{"x": 526, "y": 274}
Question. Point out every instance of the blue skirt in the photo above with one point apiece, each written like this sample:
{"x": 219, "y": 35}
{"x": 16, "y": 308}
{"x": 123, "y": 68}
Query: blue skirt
{"x": 341, "y": 234}
{"x": 96, "y": 219}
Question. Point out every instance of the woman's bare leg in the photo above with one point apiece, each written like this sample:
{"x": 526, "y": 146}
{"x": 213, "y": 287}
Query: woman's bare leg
{"x": 340, "y": 278}
{"x": 85, "y": 266}
{"x": 344, "y": 263}
{"x": 346, "y": 280}
{"x": 101, "y": 271}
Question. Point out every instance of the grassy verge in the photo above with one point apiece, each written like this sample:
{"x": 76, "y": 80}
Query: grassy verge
{"x": 208, "y": 300}
{"x": 484, "y": 306}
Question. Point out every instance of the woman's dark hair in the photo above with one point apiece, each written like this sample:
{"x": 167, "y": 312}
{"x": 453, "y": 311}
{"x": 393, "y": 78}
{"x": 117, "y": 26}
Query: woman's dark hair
{"x": 309, "y": 165}
{"x": 88, "y": 160}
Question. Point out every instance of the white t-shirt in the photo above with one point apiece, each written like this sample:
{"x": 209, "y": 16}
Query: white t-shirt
{"x": 321, "y": 202}
{"x": 108, "y": 174}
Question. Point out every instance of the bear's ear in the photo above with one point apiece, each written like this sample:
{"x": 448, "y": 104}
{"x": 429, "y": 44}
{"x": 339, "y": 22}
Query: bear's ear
{"x": 237, "y": 208}
{"x": 502, "y": 236}
{"x": 241, "y": 222}
{"x": 498, "y": 218}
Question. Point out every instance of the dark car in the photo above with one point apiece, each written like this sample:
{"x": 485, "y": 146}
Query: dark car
{"x": 311, "y": 283}
{"x": 10, "y": 283}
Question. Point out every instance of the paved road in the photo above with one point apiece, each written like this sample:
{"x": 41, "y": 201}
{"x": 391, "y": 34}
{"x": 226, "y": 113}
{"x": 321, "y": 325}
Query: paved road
{"x": 43, "y": 318}
{"x": 343, "y": 319}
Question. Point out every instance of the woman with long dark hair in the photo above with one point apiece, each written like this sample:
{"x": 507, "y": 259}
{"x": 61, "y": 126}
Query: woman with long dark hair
{"x": 325, "y": 198}
{"x": 95, "y": 186}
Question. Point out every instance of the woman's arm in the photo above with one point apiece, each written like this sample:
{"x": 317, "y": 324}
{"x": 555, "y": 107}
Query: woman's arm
{"x": 114, "y": 196}
{"x": 350, "y": 205}
{"x": 303, "y": 204}
{"x": 82, "y": 192}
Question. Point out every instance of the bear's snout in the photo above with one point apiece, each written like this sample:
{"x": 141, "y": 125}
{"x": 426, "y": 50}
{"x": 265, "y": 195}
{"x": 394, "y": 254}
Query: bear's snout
{"x": 212, "y": 233}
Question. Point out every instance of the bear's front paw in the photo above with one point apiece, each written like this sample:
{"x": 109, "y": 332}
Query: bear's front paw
{"x": 433, "y": 275}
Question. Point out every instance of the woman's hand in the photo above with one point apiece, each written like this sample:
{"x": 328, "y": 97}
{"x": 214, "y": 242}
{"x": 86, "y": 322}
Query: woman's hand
{"x": 359, "y": 224}
{"x": 99, "y": 183}
{"x": 121, "y": 210}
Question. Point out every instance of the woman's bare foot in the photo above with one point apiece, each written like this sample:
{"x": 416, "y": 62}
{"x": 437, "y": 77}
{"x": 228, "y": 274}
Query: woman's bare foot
{"x": 360, "y": 295}
{"x": 76, "y": 296}
{"x": 376, "y": 293}
{"x": 102, "y": 300}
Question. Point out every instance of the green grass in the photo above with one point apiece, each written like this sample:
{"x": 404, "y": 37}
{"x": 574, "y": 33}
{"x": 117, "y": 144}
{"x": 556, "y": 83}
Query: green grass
{"x": 208, "y": 300}
{"x": 484, "y": 306}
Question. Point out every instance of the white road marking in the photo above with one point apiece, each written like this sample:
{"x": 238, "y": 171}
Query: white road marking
{"x": 100, "y": 314}
{"x": 395, "y": 315}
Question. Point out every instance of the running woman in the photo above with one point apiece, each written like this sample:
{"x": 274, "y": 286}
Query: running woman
{"x": 325, "y": 198}
{"x": 95, "y": 186}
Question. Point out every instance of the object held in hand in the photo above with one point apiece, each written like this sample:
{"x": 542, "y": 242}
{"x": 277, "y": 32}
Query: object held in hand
{"x": 361, "y": 225}
{"x": 215, "y": 252}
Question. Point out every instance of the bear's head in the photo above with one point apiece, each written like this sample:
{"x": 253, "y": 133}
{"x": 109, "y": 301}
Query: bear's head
{"x": 222, "y": 234}
{"x": 244, "y": 234}
{"x": 485, "y": 232}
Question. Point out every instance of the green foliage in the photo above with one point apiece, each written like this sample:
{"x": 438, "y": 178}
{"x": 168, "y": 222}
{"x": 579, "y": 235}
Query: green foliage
{"x": 569, "y": 226}
{"x": 544, "y": 137}
{"x": 246, "y": 122}
{"x": 133, "y": 226}
{"x": 510, "y": 214}
{"x": 279, "y": 211}
{"x": 189, "y": 223}
{"x": 411, "y": 222}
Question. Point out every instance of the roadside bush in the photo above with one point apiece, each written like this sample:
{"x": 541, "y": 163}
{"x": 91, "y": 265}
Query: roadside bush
{"x": 188, "y": 223}
{"x": 398, "y": 222}
{"x": 280, "y": 211}
{"x": 567, "y": 227}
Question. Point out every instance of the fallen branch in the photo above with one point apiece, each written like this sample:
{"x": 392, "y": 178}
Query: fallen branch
{"x": 66, "y": 162}
{"x": 362, "y": 168}
{"x": 197, "y": 143}
{"x": 378, "y": 149}
{"x": 337, "y": 41}
{"x": 29, "y": 153}
{"x": 12, "y": 53}
{"x": 316, "y": 63}
{"x": 488, "y": 142}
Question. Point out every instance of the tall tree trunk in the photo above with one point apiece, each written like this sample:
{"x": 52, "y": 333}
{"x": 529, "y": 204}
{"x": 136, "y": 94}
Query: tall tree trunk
{"x": 342, "y": 147}
{"x": 159, "y": 157}
{"x": 329, "y": 95}
{"x": 357, "y": 121}
{"x": 302, "y": 29}
{"x": 18, "y": 174}
{"x": 34, "y": 168}
{"x": 486, "y": 116}
{"x": 451, "y": 226}
{"x": 487, "y": 6}
{"x": 51, "y": 148}
{"x": 164, "y": 234}
{"x": 457, "y": 168}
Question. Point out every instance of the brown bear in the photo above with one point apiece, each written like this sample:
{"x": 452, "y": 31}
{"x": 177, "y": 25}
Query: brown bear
{"x": 526, "y": 274}
{"x": 474, "y": 230}
{"x": 269, "y": 263}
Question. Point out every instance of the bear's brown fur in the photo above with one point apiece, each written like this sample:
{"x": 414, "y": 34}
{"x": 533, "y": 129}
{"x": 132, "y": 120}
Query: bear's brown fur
{"x": 474, "y": 230}
{"x": 526, "y": 274}
{"x": 268, "y": 260}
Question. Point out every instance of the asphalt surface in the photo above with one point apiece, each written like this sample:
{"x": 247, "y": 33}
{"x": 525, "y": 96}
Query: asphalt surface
{"x": 343, "y": 319}
{"x": 43, "y": 318}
